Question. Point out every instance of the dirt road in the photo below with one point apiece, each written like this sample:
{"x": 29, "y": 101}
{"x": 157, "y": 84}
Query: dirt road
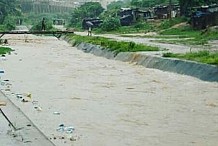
{"x": 109, "y": 103}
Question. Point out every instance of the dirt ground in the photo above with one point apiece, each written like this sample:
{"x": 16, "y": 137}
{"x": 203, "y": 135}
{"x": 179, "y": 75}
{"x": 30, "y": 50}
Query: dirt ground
{"x": 106, "y": 102}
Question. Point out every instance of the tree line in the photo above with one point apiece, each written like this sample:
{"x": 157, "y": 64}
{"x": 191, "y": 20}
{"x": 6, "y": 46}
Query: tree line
{"x": 94, "y": 9}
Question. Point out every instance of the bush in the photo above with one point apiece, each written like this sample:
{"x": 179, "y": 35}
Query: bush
{"x": 9, "y": 23}
{"x": 5, "y": 50}
{"x": 110, "y": 24}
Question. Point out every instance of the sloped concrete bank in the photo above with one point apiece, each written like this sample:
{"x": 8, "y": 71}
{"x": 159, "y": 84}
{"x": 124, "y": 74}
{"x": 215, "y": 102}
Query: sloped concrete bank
{"x": 199, "y": 70}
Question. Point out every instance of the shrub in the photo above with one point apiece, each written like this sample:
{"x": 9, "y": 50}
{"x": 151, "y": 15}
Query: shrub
{"x": 38, "y": 26}
{"x": 110, "y": 24}
{"x": 9, "y": 23}
{"x": 5, "y": 50}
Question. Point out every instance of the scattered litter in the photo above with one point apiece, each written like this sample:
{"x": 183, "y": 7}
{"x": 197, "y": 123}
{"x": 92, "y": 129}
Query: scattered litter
{"x": 69, "y": 129}
{"x": 28, "y": 141}
{"x": 63, "y": 128}
{"x": 24, "y": 100}
{"x": 38, "y": 108}
{"x": 62, "y": 137}
{"x": 19, "y": 96}
{"x": 29, "y": 95}
{"x": 3, "y": 58}
{"x": 60, "y": 128}
{"x": 7, "y": 89}
{"x": 72, "y": 139}
{"x": 34, "y": 102}
{"x": 56, "y": 113}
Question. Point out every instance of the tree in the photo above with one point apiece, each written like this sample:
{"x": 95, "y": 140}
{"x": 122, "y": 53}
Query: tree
{"x": 186, "y": 5}
{"x": 87, "y": 10}
{"x": 111, "y": 23}
{"x": 116, "y": 5}
{"x": 150, "y": 3}
{"x": 8, "y": 7}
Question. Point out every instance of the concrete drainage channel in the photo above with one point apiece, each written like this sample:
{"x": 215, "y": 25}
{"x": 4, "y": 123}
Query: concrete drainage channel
{"x": 199, "y": 70}
{"x": 22, "y": 132}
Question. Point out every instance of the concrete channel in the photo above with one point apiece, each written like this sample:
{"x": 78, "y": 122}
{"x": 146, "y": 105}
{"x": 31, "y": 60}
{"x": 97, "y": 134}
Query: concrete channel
{"x": 106, "y": 101}
{"x": 199, "y": 70}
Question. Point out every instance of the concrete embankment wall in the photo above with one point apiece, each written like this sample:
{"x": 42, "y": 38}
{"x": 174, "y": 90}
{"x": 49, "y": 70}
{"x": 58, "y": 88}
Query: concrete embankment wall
{"x": 202, "y": 71}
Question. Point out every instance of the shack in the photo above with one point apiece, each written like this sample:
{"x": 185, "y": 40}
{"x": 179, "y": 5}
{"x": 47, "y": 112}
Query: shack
{"x": 165, "y": 12}
{"x": 128, "y": 15}
{"x": 91, "y": 22}
{"x": 204, "y": 16}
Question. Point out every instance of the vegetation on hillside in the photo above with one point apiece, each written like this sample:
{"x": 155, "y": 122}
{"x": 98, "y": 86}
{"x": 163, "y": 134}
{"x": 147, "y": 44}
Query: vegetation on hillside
{"x": 87, "y": 10}
{"x": 150, "y": 3}
{"x": 9, "y": 11}
{"x": 187, "y": 5}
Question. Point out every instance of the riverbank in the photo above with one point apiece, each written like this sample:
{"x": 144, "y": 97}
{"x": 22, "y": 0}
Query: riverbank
{"x": 199, "y": 70}
{"x": 107, "y": 102}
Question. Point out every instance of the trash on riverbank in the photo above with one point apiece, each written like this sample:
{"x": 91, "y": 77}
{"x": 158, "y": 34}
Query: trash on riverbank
{"x": 38, "y": 108}
{"x": 56, "y": 113}
{"x": 66, "y": 129}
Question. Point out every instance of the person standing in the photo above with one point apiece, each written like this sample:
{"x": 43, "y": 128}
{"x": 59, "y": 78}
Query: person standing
{"x": 43, "y": 24}
{"x": 90, "y": 31}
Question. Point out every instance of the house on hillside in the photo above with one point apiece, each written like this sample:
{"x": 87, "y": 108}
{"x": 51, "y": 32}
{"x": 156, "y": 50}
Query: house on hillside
{"x": 204, "y": 16}
{"x": 91, "y": 22}
{"x": 165, "y": 12}
{"x": 128, "y": 15}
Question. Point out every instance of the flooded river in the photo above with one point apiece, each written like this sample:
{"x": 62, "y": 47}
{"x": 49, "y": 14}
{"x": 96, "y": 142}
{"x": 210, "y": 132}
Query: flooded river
{"x": 78, "y": 99}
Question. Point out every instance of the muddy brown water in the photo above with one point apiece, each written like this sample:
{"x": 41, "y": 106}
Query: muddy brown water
{"x": 109, "y": 103}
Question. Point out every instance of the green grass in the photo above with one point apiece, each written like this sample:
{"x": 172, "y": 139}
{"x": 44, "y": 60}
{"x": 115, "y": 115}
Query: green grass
{"x": 5, "y": 50}
{"x": 157, "y": 36}
{"x": 201, "y": 56}
{"x": 112, "y": 45}
{"x": 191, "y": 41}
{"x": 168, "y": 23}
{"x": 184, "y": 30}
{"x": 197, "y": 37}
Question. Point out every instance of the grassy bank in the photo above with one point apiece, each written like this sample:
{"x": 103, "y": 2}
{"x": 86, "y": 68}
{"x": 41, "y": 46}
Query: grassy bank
{"x": 196, "y": 37}
{"x": 201, "y": 56}
{"x": 112, "y": 45}
{"x": 5, "y": 50}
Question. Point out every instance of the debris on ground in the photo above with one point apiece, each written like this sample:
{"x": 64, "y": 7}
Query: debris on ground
{"x": 56, "y": 113}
